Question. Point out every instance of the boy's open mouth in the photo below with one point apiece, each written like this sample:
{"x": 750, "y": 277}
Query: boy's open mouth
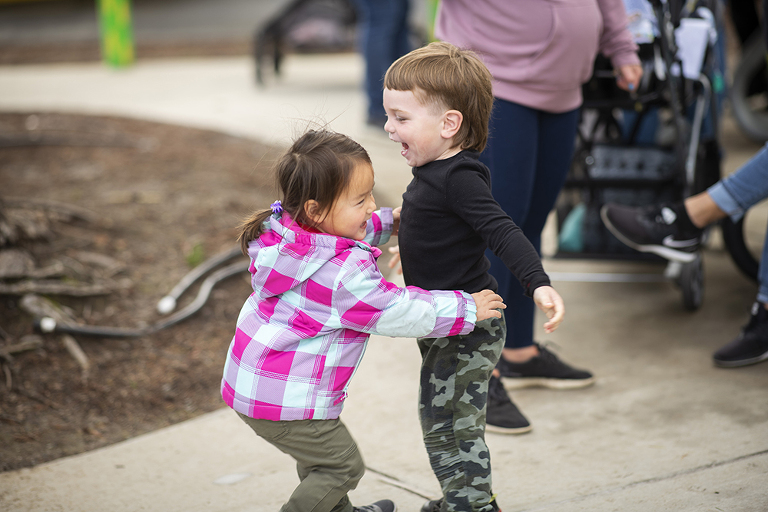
{"x": 405, "y": 148}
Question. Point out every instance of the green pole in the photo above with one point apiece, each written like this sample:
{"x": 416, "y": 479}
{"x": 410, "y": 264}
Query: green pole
{"x": 116, "y": 32}
{"x": 431, "y": 15}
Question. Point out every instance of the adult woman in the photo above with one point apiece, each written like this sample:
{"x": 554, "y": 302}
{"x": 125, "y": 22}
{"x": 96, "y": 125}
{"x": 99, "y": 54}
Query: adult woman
{"x": 540, "y": 52}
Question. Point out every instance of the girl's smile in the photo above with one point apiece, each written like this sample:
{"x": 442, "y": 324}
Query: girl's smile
{"x": 349, "y": 215}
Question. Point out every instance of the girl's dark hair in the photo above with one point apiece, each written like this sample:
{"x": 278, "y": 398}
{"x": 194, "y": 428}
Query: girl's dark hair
{"x": 317, "y": 166}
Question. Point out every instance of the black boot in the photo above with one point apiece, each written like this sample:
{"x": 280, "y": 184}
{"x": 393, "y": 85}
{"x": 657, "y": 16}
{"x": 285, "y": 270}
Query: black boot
{"x": 503, "y": 416}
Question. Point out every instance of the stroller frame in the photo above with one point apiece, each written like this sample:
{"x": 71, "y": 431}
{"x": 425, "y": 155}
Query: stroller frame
{"x": 612, "y": 162}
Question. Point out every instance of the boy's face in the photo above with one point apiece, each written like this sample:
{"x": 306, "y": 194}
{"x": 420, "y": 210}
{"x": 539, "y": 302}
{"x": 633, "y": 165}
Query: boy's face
{"x": 419, "y": 128}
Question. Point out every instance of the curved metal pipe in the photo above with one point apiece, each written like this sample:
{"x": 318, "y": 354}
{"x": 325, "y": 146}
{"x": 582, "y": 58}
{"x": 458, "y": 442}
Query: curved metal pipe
{"x": 49, "y": 325}
{"x": 168, "y": 303}
{"x": 202, "y": 294}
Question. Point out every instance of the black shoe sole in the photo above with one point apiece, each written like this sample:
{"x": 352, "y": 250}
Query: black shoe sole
{"x": 508, "y": 430}
{"x": 740, "y": 362}
{"x": 512, "y": 383}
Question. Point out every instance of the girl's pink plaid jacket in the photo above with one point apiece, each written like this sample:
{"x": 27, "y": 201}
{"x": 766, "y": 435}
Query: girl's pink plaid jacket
{"x": 317, "y": 299}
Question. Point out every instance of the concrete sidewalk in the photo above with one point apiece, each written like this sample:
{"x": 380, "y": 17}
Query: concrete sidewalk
{"x": 661, "y": 430}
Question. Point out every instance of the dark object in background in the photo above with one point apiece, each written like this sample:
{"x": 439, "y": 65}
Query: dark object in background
{"x": 305, "y": 26}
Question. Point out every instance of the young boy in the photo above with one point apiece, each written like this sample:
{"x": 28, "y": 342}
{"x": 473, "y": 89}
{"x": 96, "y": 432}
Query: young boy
{"x": 438, "y": 102}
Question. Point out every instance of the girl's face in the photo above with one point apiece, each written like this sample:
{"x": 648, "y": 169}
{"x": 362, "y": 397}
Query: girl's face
{"x": 353, "y": 208}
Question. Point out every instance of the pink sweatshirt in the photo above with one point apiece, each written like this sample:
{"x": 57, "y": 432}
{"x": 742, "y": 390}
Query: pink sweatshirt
{"x": 539, "y": 52}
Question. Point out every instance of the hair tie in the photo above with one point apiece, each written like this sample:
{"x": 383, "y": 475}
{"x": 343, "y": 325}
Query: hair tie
{"x": 277, "y": 206}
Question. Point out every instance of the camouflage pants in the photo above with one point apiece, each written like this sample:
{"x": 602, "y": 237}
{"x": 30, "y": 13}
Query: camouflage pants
{"x": 452, "y": 404}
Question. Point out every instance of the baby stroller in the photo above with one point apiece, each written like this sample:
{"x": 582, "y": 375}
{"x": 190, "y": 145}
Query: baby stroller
{"x": 658, "y": 143}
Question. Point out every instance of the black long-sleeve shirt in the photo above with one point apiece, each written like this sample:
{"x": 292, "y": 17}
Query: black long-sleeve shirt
{"x": 449, "y": 218}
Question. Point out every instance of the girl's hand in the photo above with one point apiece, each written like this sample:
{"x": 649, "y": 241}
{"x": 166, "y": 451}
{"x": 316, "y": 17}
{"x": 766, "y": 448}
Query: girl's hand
{"x": 629, "y": 77}
{"x": 394, "y": 261}
{"x": 550, "y": 302}
{"x": 396, "y": 220}
{"x": 487, "y": 303}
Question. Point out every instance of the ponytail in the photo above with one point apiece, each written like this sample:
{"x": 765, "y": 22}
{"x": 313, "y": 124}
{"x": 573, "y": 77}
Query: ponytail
{"x": 252, "y": 227}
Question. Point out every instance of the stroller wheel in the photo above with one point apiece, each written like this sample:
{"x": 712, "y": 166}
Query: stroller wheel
{"x": 691, "y": 282}
{"x": 743, "y": 257}
{"x": 748, "y": 93}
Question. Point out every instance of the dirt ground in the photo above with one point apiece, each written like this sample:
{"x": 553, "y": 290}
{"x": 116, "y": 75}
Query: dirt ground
{"x": 163, "y": 198}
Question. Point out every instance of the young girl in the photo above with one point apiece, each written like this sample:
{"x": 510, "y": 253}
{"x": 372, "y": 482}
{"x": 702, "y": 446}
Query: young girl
{"x": 318, "y": 295}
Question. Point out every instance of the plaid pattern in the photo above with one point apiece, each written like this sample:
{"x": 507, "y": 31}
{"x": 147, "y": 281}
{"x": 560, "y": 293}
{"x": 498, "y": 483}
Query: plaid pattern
{"x": 317, "y": 298}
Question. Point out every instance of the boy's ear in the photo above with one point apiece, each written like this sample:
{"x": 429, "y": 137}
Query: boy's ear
{"x": 452, "y": 120}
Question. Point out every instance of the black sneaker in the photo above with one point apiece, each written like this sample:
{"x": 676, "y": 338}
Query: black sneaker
{"x": 434, "y": 506}
{"x": 655, "y": 228}
{"x": 545, "y": 370}
{"x": 750, "y": 346}
{"x": 379, "y": 506}
{"x": 503, "y": 416}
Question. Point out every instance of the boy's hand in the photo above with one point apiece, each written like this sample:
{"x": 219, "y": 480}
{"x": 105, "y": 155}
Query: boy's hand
{"x": 396, "y": 220}
{"x": 550, "y": 302}
{"x": 395, "y": 260}
{"x": 487, "y": 303}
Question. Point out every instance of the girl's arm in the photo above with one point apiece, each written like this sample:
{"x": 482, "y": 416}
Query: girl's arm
{"x": 364, "y": 301}
{"x": 379, "y": 227}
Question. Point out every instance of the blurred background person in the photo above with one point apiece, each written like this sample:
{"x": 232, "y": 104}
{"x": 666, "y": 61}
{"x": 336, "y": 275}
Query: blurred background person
{"x": 674, "y": 231}
{"x": 382, "y": 39}
{"x": 540, "y": 52}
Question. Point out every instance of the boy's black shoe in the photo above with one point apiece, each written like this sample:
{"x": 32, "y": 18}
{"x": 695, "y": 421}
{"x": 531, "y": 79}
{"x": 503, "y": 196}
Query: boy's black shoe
{"x": 750, "y": 346}
{"x": 545, "y": 370}
{"x": 379, "y": 506}
{"x": 434, "y": 506}
{"x": 662, "y": 229}
{"x": 503, "y": 416}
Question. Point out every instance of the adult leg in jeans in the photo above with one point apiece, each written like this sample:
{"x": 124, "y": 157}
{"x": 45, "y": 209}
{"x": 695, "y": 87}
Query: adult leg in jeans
{"x": 453, "y": 393}
{"x": 327, "y": 461}
{"x": 734, "y": 195}
{"x": 675, "y": 230}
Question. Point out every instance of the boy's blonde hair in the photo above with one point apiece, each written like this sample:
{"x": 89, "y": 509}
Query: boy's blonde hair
{"x": 443, "y": 75}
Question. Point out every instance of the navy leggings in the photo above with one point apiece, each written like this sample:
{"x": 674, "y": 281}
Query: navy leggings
{"x": 529, "y": 153}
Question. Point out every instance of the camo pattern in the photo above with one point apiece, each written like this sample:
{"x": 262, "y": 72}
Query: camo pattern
{"x": 452, "y": 404}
